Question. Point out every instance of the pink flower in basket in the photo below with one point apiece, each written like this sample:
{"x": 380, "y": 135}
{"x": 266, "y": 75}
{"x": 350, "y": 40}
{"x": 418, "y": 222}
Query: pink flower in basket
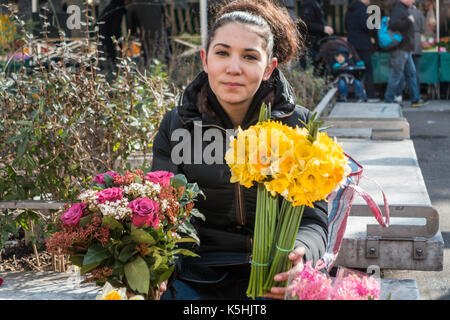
{"x": 110, "y": 194}
{"x": 100, "y": 179}
{"x": 355, "y": 287}
{"x": 311, "y": 284}
{"x": 72, "y": 216}
{"x": 160, "y": 177}
{"x": 145, "y": 211}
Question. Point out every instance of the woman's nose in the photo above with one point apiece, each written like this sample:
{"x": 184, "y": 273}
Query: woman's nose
{"x": 234, "y": 66}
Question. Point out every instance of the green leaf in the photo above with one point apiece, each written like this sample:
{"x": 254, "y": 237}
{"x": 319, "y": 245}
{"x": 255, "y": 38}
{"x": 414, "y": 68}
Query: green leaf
{"x": 23, "y": 221}
{"x": 113, "y": 223}
{"x": 185, "y": 252}
{"x": 118, "y": 269}
{"x": 14, "y": 139}
{"x": 178, "y": 180}
{"x": 22, "y": 148}
{"x": 85, "y": 220}
{"x": 157, "y": 262}
{"x": 186, "y": 240}
{"x": 109, "y": 182}
{"x": 166, "y": 274}
{"x": 198, "y": 214}
{"x": 10, "y": 228}
{"x": 77, "y": 260}
{"x": 263, "y": 113}
{"x": 96, "y": 253}
{"x": 140, "y": 236}
{"x": 126, "y": 253}
{"x": 138, "y": 275}
{"x": 89, "y": 267}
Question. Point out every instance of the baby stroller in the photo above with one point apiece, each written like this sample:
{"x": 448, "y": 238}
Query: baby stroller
{"x": 325, "y": 59}
{"x": 327, "y": 50}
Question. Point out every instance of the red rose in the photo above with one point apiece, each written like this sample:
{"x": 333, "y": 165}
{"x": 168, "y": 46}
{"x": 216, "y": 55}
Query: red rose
{"x": 145, "y": 211}
{"x": 160, "y": 177}
{"x": 110, "y": 194}
{"x": 72, "y": 216}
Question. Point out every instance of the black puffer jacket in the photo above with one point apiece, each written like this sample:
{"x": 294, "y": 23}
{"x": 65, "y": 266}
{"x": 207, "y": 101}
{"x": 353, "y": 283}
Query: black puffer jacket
{"x": 399, "y": 22}
{"x": 226, "y": 235}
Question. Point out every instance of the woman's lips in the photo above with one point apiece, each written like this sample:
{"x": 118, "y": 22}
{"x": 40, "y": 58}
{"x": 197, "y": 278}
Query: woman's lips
{"x": 233, "y": 85}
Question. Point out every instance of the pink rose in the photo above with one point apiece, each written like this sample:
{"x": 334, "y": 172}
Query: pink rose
{"x": 160, "y": 177}
{"x": 145, "y": 211}
{"x": 100, "y": 179}
{"x": 72, "y": 216}
{"x": 110, "y": 194}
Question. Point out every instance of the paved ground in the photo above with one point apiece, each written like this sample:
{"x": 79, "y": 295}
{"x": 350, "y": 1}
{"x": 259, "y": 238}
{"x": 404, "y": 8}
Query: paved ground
{"x": 430, "y": 132}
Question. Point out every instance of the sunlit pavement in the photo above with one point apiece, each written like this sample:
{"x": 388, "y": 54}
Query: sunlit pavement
{"x": 430, "y": 132}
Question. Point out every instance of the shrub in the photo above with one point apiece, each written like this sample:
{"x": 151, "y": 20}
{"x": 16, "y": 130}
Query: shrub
{"x": 309, "y": 88}
{"x": 63, "y": 121}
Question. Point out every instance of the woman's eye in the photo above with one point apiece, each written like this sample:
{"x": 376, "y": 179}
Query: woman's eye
{"x": 251, "y": 57}
{"x": 221, "y": 53}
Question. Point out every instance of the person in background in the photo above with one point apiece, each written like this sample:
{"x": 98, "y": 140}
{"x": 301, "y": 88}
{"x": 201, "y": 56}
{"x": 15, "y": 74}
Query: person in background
{"x": 290, "y": 7}
{"x": 420, "y": 24}
{"x": 359, "y": 36}
{"x": 345, "y": 79}
{"x": 110, "y": 21}
{"x": 401, "y": 57}
{"x": 317, "y": 28}
{"x": 419, "y": 28}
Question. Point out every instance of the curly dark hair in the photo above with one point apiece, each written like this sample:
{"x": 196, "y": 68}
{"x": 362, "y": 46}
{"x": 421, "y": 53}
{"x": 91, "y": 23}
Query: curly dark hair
{"x": 281, "y": 33}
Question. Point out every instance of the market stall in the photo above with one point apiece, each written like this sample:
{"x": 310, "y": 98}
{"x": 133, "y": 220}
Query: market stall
{"x": 434, "y": 67}
{"x": 434, "y": 64}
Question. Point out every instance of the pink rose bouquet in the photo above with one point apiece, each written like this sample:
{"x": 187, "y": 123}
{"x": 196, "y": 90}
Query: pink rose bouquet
{"x": 126, "y": 229}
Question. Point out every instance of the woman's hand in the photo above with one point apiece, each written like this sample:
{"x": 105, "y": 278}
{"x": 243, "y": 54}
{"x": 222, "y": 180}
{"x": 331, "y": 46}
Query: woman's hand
{"x": 296, "y": 256}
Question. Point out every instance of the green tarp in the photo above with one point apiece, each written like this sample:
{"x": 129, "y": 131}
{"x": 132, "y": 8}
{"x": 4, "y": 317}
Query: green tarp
{"x": 434, "y": 67}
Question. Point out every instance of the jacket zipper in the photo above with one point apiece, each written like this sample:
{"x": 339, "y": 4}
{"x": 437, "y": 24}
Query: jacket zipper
{"x": 240, "y": 208}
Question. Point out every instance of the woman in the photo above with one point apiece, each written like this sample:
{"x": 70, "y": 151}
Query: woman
{"x": 245, "y": 45}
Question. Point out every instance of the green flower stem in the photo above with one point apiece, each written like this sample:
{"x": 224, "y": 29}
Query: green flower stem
{"x": 288, "y": 229}
{"x": 266, "y": 212}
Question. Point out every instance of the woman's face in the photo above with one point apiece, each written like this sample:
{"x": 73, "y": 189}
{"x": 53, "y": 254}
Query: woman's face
{"x": 236, "y": 63}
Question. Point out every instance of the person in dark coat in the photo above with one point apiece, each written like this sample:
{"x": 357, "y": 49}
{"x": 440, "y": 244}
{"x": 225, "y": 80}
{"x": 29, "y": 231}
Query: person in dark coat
{"x": 146, "y": 19}
{"x": 239, "y": 75}
{"x": 402, "y": 63}
{"x": 290, "y": 7}
{"x": 312, "y": 14}
{"x": 359, "y": 36}
{"x": 110, "y": 26}
{"x": 419, "y": 28}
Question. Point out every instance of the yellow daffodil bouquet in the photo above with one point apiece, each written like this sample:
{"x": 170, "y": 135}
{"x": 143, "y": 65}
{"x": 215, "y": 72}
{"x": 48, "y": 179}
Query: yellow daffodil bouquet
{"x": 297, "y": 166}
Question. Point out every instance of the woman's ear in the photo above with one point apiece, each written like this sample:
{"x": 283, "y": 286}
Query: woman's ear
{"x": 269, "y": 69}
{"x": 203, "y": 56}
